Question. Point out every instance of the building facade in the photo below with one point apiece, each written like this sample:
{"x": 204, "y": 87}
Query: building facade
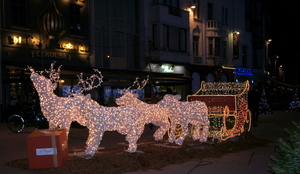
{"x": 177, "y": 43}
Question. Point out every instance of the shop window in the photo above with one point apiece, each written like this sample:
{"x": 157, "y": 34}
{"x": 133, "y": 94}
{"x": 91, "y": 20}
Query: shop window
{"x": 68, "y": 89}
{"x": 210, "y": 78}
{"x": 110, "y": 95}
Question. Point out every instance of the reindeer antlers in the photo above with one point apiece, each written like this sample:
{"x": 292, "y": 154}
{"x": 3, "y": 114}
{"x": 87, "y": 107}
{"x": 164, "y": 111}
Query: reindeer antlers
{"x": 54, "y": 75}
{"x": 89, "y": 83}
{"x": 139, "y": 86}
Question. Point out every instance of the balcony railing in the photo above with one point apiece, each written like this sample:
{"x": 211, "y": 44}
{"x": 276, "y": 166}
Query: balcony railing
{"x": 212, "y": 24}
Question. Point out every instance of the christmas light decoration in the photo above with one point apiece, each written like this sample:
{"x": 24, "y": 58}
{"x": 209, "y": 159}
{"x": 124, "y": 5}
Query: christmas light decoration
{"x": 52, "y": 106}
{"x": 98, "y": 119}
{"x": 183, "y": 113}
{"x": 227, "y": 104}
{"x": 264, "y": 107}
{"x": 295, "y": 104}
{"x": 61, "y": 111}
{"x": 240, "y": 120}
{"x": 150, "y": 113}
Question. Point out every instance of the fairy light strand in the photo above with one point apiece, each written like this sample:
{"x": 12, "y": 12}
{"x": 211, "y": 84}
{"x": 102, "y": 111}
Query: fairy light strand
{"x": 183, "y": 113}
{"x": 150, "y": 113}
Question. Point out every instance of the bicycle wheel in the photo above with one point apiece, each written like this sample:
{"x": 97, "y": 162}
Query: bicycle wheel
{"x": 16, "y": 123}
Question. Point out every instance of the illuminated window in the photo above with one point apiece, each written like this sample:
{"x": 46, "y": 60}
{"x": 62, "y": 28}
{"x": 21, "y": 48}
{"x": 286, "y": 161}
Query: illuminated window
{"x": 19, "y": 12}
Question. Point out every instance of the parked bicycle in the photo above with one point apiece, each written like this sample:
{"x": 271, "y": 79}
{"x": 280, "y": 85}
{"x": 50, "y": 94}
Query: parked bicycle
{"x": 17, "y": 122}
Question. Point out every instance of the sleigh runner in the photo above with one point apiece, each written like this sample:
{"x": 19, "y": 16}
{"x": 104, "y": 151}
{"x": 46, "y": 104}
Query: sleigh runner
{"x": 227, "y": 104}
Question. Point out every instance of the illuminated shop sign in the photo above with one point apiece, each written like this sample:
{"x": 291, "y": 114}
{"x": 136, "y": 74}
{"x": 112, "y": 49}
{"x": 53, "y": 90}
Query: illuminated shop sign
{"x": 51, "y": 54}
{"x": 243, "y": 71}
{"x": 167, "y": 68}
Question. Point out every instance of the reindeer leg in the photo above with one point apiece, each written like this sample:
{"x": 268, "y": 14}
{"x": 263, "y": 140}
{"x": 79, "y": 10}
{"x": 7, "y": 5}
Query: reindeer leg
{"x": 172, "y": 132}
{"x": 160, "y": 132}
{"x": 93, "y": 141}
{"x": 196, "y": 133}
{"x": 131, "y": 138}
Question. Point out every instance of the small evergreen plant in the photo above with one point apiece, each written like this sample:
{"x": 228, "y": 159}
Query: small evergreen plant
{"x": 288, "y": 160}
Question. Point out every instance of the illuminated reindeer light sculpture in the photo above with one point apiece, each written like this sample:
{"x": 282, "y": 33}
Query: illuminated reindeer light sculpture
{"x": 183, "y": 113}
{"x": 150, "y": 113}
{"x": 53, "y": 107}
{"x": 99, "y": 119}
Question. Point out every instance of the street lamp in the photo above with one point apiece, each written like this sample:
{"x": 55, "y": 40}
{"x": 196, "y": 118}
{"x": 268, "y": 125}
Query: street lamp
{"x": 267, "y": 58}
{"x": 275, "y": 64}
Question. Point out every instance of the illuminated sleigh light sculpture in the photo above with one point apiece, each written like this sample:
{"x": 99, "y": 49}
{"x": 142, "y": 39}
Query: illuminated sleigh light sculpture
{"x": 53, "y": 107}
{"x": 185, "y": 113}
{"x": 227, "y": 107}
{"x": 98, "y": 119}
{"x": 150, "y": 113}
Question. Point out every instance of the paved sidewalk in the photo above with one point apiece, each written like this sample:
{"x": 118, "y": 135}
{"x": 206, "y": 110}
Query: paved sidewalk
{"x": 13, "y": 146}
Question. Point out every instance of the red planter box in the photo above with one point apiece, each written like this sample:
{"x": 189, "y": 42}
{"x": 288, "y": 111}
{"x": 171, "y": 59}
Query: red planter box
{"x": 47, "y": 148}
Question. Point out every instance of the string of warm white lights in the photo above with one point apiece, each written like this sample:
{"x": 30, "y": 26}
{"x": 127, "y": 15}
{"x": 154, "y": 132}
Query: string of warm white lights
{"x": 52, "y": 106}
{"x": 98, "y": 119}
{"x": 61, "y": 111}
{"x": 183, "y": 113}
{"x": 150, "y": 113}
{"x": 129, "y": 118}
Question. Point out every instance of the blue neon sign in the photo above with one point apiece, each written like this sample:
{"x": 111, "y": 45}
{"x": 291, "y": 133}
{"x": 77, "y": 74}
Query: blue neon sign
{"x": 243, "y": 71}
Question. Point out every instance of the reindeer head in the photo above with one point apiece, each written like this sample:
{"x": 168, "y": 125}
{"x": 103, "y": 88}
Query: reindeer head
{"x": 169, "y": 100}
{"x": 77, "y": 102}
{"x": 43, "y": 84}
{"x": 128, "y": 99}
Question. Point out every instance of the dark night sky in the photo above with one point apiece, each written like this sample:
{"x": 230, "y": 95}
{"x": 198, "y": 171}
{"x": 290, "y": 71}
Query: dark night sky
{"x": 285, "y": 35}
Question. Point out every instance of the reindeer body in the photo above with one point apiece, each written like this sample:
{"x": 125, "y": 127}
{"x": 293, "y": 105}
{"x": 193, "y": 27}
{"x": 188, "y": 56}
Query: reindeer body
{"x": 150, "y": 113}
{"x": 61, "y": 111}
{"x": 99, "y": 119}
{"x": 52, "y": 106}
{"x": 183, "y": 113}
